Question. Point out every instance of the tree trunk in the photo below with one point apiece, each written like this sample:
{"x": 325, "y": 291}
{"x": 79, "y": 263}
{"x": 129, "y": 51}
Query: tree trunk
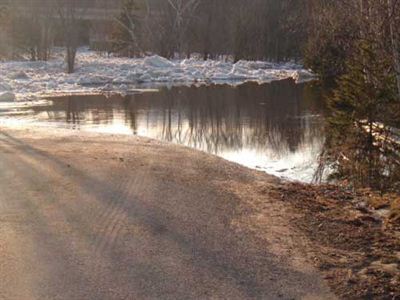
{"x": 71, "y": 54}
{"x": 394, "y": 43}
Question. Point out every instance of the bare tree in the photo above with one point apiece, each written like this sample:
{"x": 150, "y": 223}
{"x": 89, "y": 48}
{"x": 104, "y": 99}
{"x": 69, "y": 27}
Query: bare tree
{"x": 125, "y": 35}
{"x": 46, "y": 27}
{"x": 30, "y": 28}
{"x": 182, "y": 14}
{"x": 70, "y": 13}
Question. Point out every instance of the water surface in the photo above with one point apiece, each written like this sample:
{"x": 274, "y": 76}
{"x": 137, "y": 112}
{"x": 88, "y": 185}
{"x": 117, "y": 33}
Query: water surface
{"x": 274, "y": 127}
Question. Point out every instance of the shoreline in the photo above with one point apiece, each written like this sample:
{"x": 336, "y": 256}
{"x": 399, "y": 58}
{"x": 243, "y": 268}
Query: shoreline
{"x": 316, "y": 230}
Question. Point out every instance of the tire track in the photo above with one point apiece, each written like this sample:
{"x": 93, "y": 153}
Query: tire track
{"x": 115, "y": 216}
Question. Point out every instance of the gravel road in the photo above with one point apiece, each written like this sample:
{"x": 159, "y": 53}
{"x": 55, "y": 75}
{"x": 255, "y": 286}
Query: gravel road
{"x": 90, "y": 216}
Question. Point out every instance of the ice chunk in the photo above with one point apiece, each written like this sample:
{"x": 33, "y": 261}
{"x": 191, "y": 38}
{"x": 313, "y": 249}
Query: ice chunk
{"x": 20, "y": 75}
{"x": 123, "y": 87}
{"x": 156, "y": 61}
{"x": 94, "y": 79}
{"x": 51, "y": 85}
{"x": 7, "y": 97}
{"x": 302, "y": 75}
{"x": 145, "y": 77}
{"x": 5, "y": 87}
{"x": 133, "y": 76}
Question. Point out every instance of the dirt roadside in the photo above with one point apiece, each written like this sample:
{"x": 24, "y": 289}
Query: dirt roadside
{"x": 90, "y": 216}
{"x": 354, "y": 246}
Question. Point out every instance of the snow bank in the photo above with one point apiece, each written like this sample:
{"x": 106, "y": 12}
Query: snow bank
{"x": 95, "y": 73}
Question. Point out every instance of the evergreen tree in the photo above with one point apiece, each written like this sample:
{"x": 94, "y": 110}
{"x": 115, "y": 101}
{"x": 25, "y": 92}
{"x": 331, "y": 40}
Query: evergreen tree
{"x": 361, "y": 145}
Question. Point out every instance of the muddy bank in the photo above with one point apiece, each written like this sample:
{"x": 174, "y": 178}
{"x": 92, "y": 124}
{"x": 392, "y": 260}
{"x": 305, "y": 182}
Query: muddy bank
{"x": 116, "y": 217}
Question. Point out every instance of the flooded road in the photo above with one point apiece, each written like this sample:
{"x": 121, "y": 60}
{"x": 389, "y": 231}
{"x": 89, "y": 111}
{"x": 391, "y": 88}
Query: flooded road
{"x": 273, "y": 127}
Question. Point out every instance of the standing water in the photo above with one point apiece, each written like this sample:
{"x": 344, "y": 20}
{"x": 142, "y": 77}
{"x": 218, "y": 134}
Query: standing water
{"x": 273, "y": 127}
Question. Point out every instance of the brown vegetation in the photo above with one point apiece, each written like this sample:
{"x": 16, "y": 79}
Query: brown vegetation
{"x": 355, "y": 242}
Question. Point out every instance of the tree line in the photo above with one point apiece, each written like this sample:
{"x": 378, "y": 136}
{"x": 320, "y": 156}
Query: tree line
{"x": 255, "y": 29}
{"x": 32, "y": 28}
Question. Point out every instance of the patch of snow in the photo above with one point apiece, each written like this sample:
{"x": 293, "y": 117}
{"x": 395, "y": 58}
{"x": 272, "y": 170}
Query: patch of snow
{"x": 95, "y": 73}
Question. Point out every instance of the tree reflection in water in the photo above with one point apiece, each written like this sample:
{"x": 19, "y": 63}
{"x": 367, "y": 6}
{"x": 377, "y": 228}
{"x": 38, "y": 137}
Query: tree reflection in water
{"x": 267, "y": 123}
